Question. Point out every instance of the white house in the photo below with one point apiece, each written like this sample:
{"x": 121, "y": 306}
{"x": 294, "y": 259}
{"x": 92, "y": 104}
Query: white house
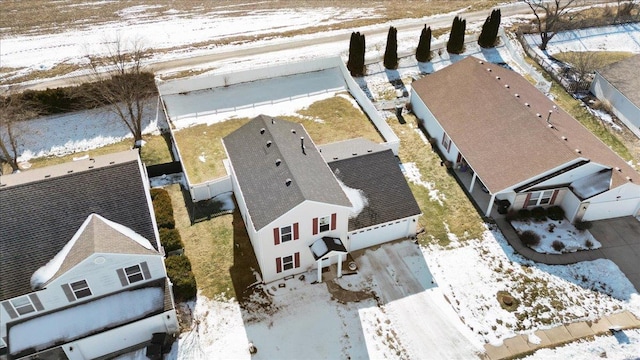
{"x": 83, "y": 275}
{"x": 618, "y": 85}
{"x": 519, "y": 146}
{"x": 297, "y": 213}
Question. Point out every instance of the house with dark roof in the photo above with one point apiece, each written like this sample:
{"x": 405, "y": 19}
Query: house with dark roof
{"x": 306, "y": 207}
{"x": 83, "y": 274}
{"x": 491, "y": 125}
{"x": 618, "y": 86}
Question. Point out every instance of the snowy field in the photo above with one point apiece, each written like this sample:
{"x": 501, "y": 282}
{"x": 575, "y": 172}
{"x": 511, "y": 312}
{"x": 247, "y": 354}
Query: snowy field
{"x": 457, "y": 285}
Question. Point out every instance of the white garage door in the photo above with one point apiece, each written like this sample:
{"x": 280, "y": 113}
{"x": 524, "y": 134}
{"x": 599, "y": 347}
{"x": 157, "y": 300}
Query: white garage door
{"x": 379, "y": 235}
{"x": 610, "y": 209}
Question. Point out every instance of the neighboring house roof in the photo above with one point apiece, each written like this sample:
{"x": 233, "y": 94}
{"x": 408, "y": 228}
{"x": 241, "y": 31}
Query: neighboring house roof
{"x": 42, "y": 209}
{"x": 625, "y": 77}
{"x": 271, "y": 188}
{"x": 364, "y": 165}
{"x": 498, "y": 121}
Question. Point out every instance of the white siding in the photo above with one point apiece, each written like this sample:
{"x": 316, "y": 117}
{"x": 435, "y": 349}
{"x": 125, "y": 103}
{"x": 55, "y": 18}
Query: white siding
{"x": 303, "y": 214}
{"x": 383, "y": 233}
{"x": 622, "y": 107}
{"x": 432, "y": 126}
{"x": 621, "y": 201}
{"x": 570, "y": 204}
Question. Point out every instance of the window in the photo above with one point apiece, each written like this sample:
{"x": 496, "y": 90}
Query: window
{"x": 134, "y": 273}
{"x": 324, "y": 223}
{"x": 80, "y": 289}
{"x": 538, "y": 198}
{"x": 288, "y": 262}
{"x": 23, "y": 305}
{"x": 446, "y": 142}
{"x": 286, "y": 234}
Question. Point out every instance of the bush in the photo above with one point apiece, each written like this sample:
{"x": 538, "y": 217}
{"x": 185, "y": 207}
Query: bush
{"x": 163, "y": 208}
{"x": 555, "y": 213}
{"x": 524, "y": 214}
{"x": 170, "y": 239}
{"x": 539, "y": 214}
{"x": 557, "y": 245}
{"x": 588, "y": 243}
{"x": 184, "y": 283}
{"x": 529, "y": 238}
{"x": 583, "y": 225}
{"x": 512, "y": 215}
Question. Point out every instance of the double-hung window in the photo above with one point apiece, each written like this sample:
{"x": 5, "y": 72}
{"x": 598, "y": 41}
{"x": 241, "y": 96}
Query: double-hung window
{"x": 539, "y": 198}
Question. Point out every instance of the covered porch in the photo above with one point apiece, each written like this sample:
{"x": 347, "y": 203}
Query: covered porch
{"x": 326, "y": 251}
{"x": 482, "y": 199}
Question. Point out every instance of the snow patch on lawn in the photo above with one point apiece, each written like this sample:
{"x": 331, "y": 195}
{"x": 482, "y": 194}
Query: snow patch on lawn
{"x": 412, "y": 173}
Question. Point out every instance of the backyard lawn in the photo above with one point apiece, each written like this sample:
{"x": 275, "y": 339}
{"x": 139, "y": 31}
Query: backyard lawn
{"x": 326, "y": 121}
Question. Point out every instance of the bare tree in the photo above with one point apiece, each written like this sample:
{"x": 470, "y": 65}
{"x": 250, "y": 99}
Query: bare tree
{"x": 122, "y": 83}
{"x": 584, "y": 64}
{"x": 549, "y": 17}
{"x": 13, "y": 109}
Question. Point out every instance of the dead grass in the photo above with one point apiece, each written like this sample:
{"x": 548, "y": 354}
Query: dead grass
{"x": 456, "y": 215}
{"x": 57, "y": 70}
{"x": 154, "y": 152}
{"x": 326, "y": 121}
{"x": 602, "y": 58}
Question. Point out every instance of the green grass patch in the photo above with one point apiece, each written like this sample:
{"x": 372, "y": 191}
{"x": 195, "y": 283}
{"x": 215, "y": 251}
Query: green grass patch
{"x": 602, "y": 58}
{"x": 326, "y": 121}
{"x": 457, "y": 212}
{"x": 155, "y": 151}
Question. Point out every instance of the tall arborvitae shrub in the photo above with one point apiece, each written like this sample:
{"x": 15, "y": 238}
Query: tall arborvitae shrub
{"x": 489, "y": 33}
{"x": 355, "y": 64}
{"x": 455, "y": 45}
{"x": 391, "y": 52}
{"x": 423, "y": 52}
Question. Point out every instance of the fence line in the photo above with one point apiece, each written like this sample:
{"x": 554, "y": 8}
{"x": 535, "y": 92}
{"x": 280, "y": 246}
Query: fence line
{"x": 541, "y": 83}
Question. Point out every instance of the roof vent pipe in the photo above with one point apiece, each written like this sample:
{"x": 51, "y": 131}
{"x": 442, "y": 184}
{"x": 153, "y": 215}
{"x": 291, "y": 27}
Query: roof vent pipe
{"x": 287, "y": 182}
{"x": 549, "y": 117}
{"x": 269, "y": 143}
{"x": 262, "y": 131}
{"x": 278, "y": 162}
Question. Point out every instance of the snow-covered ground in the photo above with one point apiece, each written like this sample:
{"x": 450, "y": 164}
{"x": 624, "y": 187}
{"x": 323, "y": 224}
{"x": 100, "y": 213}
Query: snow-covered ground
{"x": 301, "y": 319}
{"x": 561, "y": 230}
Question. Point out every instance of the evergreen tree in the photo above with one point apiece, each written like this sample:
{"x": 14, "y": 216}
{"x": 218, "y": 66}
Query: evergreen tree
{"x": 489, "y": 33}
{"x": 455, "y": 45}
{"x": 355, "y": 64}
{"x": 391, "y": 52}
{"x": 423, "y": 52}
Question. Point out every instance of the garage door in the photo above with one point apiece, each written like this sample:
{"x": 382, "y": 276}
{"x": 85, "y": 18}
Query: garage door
{"x": 610, "y": 209}
{"x": 378, "y": 234}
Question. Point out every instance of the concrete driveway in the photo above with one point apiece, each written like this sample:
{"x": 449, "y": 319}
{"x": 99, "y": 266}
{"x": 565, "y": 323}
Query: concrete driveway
{"x": 620, "y": 239}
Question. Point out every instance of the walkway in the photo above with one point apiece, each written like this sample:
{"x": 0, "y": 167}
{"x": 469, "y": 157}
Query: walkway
{"x": 519, "y": 345}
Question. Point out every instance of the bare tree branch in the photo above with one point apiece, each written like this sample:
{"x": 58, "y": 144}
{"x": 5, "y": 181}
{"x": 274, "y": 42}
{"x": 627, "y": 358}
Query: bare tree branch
{"x": 13, "y": 109}
{"x": 121, "y": 82}
{"x": 549, "y": 18}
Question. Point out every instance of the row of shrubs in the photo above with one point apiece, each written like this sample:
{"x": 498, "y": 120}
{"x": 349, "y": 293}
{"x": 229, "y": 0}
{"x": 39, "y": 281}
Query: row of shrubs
{"x": 530, "y": 238}
{"x": 178, "y": 266}
{"x": 537, "y": 214}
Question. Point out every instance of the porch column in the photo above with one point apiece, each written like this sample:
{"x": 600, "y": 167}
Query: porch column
{"x": 473, "y": 182}
{"x": 488, "y": 213}
{"x": 319, "y": 270}
{"x": 339, "y": 265}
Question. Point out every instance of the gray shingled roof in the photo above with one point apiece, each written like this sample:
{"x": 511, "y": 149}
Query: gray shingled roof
{"x": 378, "y": 175}
{"x": 625, "y": 76}
{"x": 39, "y": 217}
{"x": 264, "y": 184}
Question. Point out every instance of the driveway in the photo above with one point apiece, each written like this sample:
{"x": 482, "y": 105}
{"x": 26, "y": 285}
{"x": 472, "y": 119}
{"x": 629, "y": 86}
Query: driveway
{"x": 431, "y": 328}
{"x": 620, "y": 239}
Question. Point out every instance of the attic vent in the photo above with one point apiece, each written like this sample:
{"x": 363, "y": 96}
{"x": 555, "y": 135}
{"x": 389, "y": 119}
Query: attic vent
{"x": 481, "y": 62}
{"x": 335, "y": 158}
{"x": 287, "y": 182}
{"x": 564, "y": 138}
{"x": 526, "y": 104}
{"x": 278, "y": 162}
{"x": 578, "y": 151}
{"x": 273, "y": 121}
{"x": 618, "y": 169}
{"x": 497, "y": 77}
{"x": 538, "y": 115}
{"x": 354, "y": 153}
{"x": 517, "y": 95}
{"x": 489, "y": 70}
{"x": 293, "y": 131}
{"x": 550, "y": 126}
{"x": 91, "y": 167}
{"x": 47, "y": 176}
{"x": 69, "y": 171}
{"x": 506, "y": 86}
{"x": 111, "y": 162}
{"x": 269, "y": 143}
{"x": 262, "y": 131}
{"x": 369, "y": 150}
{"x": 629, "y": 178}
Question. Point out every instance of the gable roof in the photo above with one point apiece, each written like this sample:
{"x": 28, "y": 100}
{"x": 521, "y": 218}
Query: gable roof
{"x": 271, "y": 190}
{"x": 499, "y": 124}
{"x": 41, "y": 214}
{"x": 625, "y": 77}
{"x": 96, "y": 235}
{"x": 364, "y": 165}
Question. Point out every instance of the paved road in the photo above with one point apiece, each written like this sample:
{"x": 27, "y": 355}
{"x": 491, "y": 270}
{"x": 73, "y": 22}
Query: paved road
{"x": 438, "y": 21}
